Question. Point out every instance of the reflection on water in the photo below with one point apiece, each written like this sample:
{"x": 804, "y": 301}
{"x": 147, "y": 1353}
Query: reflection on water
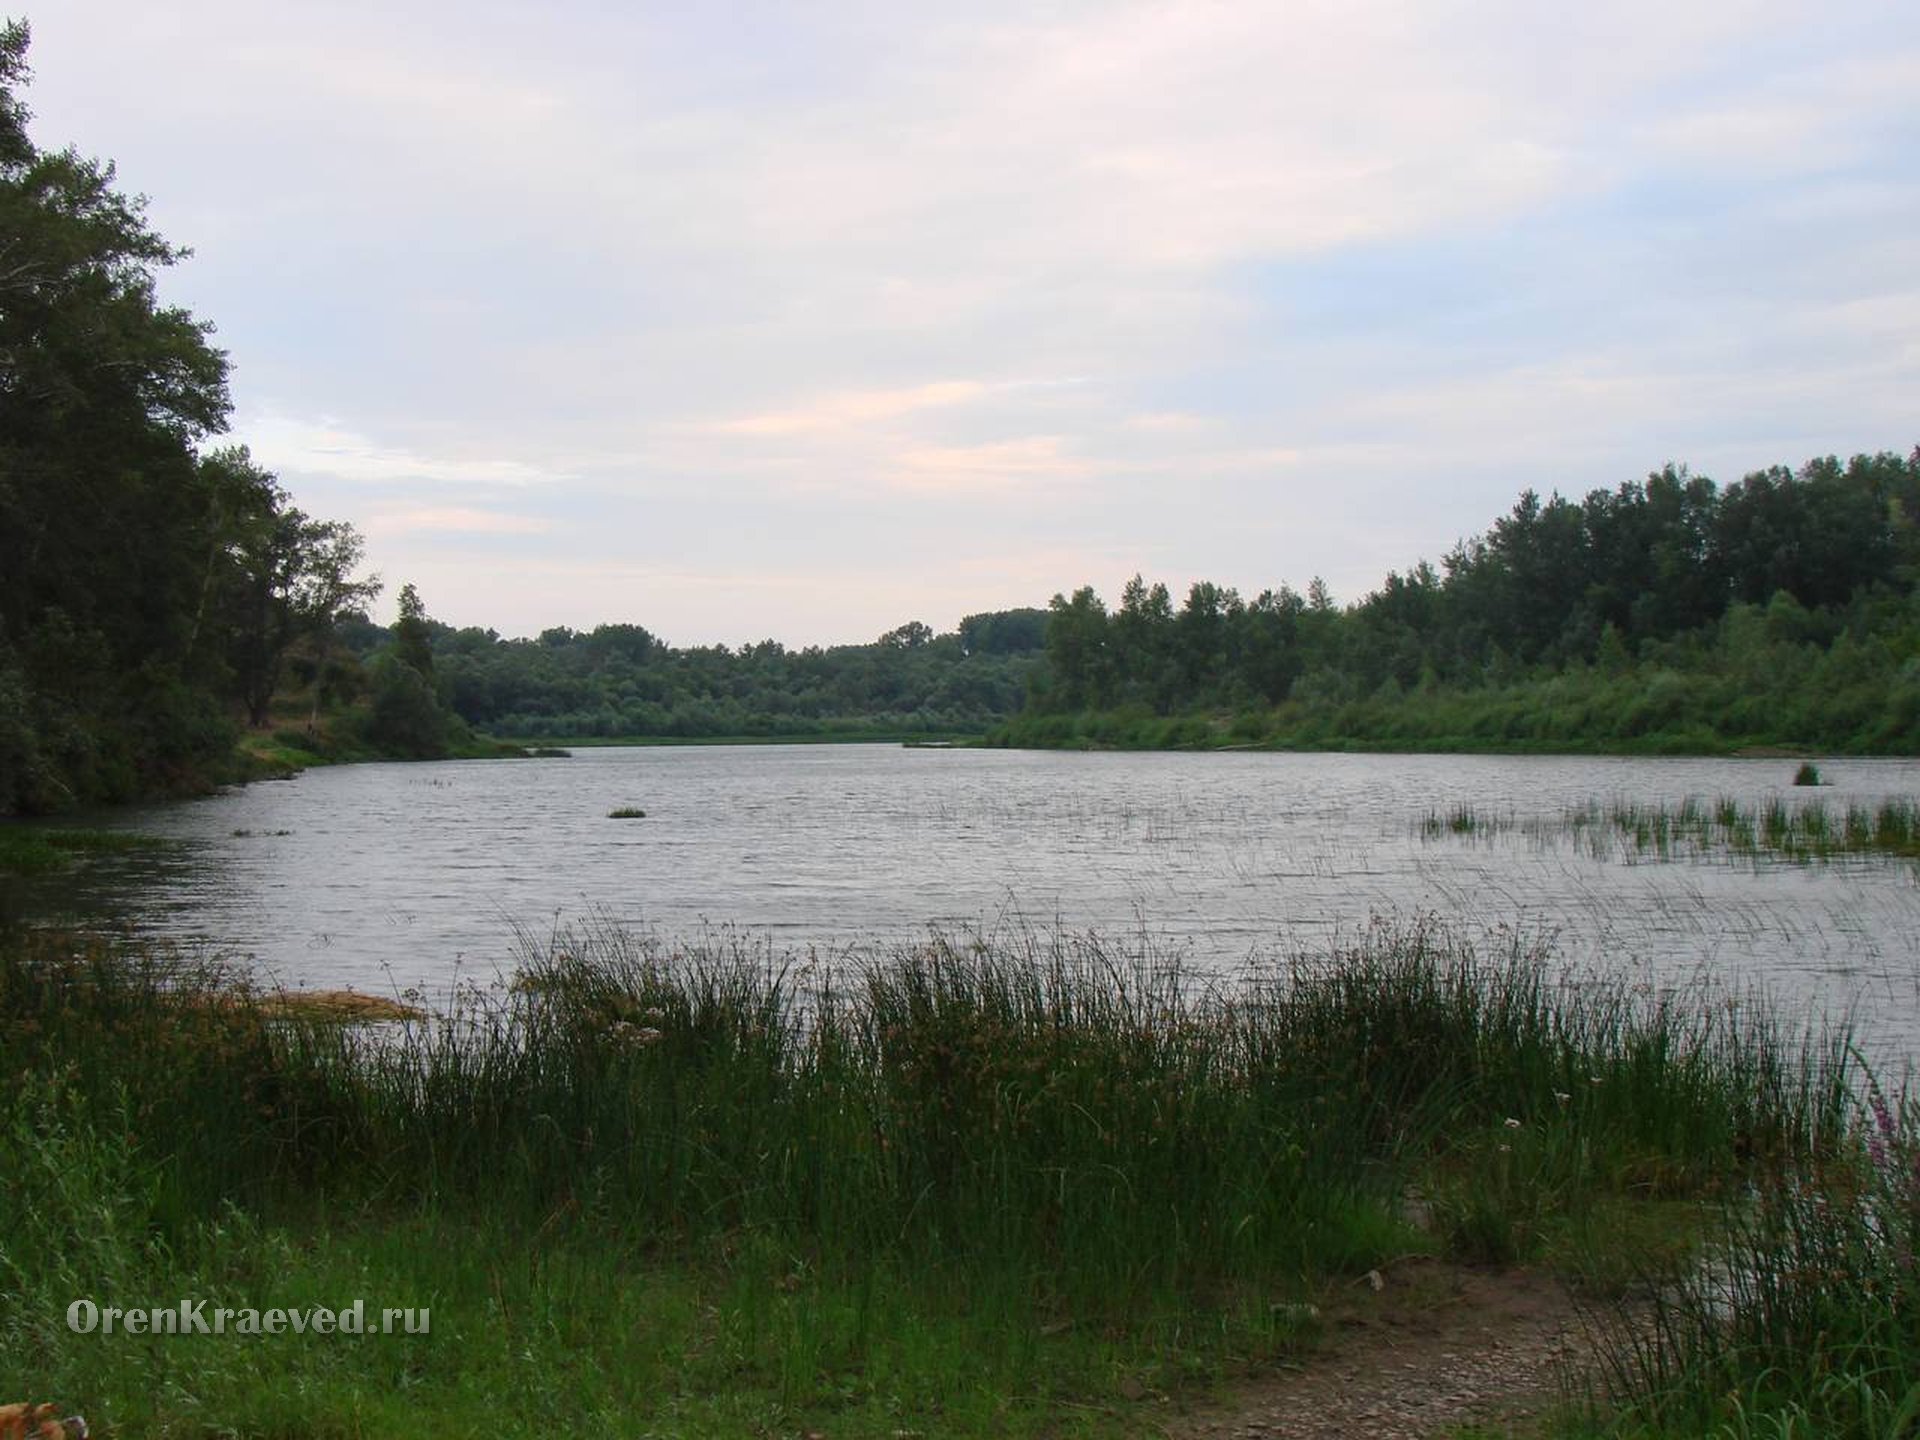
{"x": 380, "y": 876}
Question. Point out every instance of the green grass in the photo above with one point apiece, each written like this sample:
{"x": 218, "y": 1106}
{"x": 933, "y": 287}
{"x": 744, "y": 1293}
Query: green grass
{"x": 1463, "y": 819}
{"x": 1775, "y": 830}
{"x": 26, "y": 849}
{"x": 849, "y": 734}
{"x": 962, "y": 1188}
{"x": 1803, "y": 1320}
{"x": 1801, "y": 833}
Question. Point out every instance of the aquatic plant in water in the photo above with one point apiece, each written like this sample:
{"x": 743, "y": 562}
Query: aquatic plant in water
{"x": 1800, "y": 833}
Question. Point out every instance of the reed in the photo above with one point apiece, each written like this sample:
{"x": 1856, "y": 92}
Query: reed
{"x": 1803, "y": 833}
{"x": 1801, "y": 1321}
{"x": 965, "y": 1165}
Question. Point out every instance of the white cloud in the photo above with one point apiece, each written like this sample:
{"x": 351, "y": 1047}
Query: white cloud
{"x": 1024, "y": 461}
{"x": 326, "y": 447}
{"x": 1291, "y": 289}
{"x": 454, "y": 520}
{"x": 1167, "y": 422}
{"x": 854, "y": 408}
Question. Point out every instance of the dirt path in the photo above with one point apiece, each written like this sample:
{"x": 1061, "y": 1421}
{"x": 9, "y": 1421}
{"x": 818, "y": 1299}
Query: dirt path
{"x": 1435, "y": 1348}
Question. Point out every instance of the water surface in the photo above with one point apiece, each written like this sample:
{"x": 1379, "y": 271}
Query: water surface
{"x": 394, "y": 876}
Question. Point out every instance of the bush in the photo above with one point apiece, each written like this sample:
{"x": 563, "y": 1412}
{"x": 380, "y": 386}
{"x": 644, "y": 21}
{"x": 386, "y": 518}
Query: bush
{"x": 405, "y": 718}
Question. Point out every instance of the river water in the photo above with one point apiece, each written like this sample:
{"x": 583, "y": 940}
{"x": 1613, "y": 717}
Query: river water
{"x": 390, "y": 877}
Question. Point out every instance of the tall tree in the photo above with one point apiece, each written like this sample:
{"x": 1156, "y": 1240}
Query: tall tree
{"x": 103, "y": 393}
{"x": 412, "y": 635}
{"x": 123, "y": 554}
{"x": 287, "y": 577}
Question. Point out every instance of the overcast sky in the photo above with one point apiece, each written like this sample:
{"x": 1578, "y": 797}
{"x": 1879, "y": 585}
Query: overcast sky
{"x": 805, "y": 320}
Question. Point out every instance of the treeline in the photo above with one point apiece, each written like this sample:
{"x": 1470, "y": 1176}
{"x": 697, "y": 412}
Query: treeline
{"x": 623, "y": 682}
{"x": 1670, "y": 613}
{"x": 152, "y": 595}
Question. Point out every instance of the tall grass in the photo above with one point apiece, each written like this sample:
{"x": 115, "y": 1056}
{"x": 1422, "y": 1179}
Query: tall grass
{"x": 1044, "y": 1135}
{"x": 1775, "y": 830}
{"x": 1806, "y": 1319}
{"x": 1801, "y": 833}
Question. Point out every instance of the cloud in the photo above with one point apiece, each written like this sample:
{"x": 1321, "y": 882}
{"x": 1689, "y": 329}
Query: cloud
{"x": 848, "y": 409}
{"x": 455, "y": 520}
{"x": 1167, "y": 422}
{"x": 1811, "y": 119}
{"x": 997, "y": 463}
{"x": 326, "y": 447}
{"x": 881, "y": 293}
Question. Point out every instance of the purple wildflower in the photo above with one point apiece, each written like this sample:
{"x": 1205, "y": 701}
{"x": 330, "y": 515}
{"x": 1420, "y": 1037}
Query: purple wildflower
{"x": 1884, "y": 1131}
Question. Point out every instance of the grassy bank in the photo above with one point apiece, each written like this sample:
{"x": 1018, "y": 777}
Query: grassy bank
{"x": 856, "y": 735}
{"x": 276, "y": 754}
{"x": 960, "y": 1189}
{"x": 33, "y": 849}
{"x": 1699, "y": 704}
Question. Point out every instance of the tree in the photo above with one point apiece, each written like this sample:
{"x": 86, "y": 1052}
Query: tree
{"x": 146, "y": 591}
{"x": 103, "y": 513}
{"x": 1004, "y": 632}
{"x": 289, "y": 578}
{"x": 1143, "y": 638}
{"x": 1078, "y": 649}
{"x": 412, "y": 638}
{"x": 404, "y": 717}
{"x": 910, "y": 636}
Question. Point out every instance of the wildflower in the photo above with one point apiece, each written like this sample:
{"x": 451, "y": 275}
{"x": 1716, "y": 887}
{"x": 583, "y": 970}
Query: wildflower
{"x": 1562, "y": 1097}
{"x": 1512, "y": 1124}
{"x": 1884, "y": 1130}
{"x": 1882, "y": 1118}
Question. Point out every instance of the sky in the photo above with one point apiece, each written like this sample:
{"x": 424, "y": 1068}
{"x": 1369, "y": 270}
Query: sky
{"x": 800, "y": 321}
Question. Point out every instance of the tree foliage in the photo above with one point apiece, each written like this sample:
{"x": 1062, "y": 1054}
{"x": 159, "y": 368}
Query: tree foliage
{"x": 1673, "y": 577}
{"x": 622, "y": 681}
{"x": 148, "y": 593}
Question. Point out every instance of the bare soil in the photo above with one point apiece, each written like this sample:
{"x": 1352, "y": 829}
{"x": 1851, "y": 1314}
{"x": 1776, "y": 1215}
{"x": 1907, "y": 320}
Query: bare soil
{"x": 1417, "y": 1351}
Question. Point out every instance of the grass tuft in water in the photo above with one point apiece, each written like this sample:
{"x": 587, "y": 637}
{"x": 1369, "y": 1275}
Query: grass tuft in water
{"x": 1800, "y": 833}
{"x": 1463, "y": 819}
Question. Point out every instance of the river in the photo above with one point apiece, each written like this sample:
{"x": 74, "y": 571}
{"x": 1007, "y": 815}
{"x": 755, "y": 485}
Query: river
{"x": 393, "y": 877}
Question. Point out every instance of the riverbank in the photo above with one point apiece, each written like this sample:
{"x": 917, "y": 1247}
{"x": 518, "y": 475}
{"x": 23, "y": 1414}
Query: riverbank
{"x": 280, "y": 754}
{"x": 1134, "y": 730}
{"x": 1699, "y": 704}
{"x": 962, "y": 1190}
{"x": 881, "y": 735}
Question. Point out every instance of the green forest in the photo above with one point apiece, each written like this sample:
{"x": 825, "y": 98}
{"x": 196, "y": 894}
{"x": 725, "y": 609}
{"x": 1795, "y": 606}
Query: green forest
{"x": 1667, "y": 614}
{"x": 170, "y": 618}
{"x": 621, "y": 682}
